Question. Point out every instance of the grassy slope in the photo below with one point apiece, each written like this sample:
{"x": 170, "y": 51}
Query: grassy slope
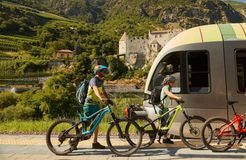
{"x": 13, "y": 42}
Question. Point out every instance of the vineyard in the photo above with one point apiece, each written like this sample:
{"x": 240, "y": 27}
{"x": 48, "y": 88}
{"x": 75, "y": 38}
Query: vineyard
{"x": 13, "y": 43}
{"x": 9, "y": 74}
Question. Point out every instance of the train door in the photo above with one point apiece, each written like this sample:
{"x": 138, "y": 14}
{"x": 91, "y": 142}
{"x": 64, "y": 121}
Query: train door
{"x": 235, "y": 59}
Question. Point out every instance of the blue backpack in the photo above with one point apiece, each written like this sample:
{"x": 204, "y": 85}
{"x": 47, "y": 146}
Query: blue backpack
{"x": 81, "y": 92}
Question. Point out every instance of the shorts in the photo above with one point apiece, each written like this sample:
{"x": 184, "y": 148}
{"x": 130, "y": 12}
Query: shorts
{"x": 90, "y": 109}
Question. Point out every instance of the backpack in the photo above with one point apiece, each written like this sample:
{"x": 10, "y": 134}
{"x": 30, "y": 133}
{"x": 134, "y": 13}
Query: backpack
{"x": 155, "y": 95}
{"x": 81, "y": 92}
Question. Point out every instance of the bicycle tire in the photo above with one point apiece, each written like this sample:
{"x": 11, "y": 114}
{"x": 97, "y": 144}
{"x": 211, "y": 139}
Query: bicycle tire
{"x": 209, "y": 144}
{"x": 49, "y": 136}
{"x": 192, "y": 142}
{"x": 151, "y": 131}
{"x": 113, "y": 144}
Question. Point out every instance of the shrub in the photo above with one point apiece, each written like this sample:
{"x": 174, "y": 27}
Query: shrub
{"x": 17, "y": 113}
{"x": 117, "y": 67}
{"x": 7, "y": 99}
{"x": 58, "y": 97}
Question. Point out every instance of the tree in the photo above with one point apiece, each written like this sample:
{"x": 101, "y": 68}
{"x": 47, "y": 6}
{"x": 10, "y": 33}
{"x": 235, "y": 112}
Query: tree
{"x": 58, "y": 97}
{"x": 117, "y": 67}
{"x": 83, "y": 66}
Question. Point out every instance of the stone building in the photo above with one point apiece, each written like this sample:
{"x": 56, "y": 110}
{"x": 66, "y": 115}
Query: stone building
{"x": 138, "y": 51}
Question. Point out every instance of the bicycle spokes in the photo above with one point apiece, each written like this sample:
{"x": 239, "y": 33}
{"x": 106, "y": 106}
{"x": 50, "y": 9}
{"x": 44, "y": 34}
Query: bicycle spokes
{"x": 220, "y": 135}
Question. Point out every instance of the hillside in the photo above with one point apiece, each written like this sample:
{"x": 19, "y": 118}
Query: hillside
{"x": 96, "y": 25}
{"x": 239, "y": 6}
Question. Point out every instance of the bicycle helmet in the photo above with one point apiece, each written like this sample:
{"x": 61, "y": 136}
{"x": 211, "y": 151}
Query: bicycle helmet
{"x": 101, "y": 68}
{"x": 169, "y": 79}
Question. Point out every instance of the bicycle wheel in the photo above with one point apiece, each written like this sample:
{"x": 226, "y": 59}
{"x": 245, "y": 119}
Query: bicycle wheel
{"x": 148, "y": 129}
{"x": 118, "y": 143}
{"x": 190, "y": 132}
{"x": 218, "y": 142}
{"x": 59, "y": 139}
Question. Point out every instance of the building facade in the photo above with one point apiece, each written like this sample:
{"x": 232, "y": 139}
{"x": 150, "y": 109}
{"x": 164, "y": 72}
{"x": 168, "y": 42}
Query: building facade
{"x": 138, "y": 51}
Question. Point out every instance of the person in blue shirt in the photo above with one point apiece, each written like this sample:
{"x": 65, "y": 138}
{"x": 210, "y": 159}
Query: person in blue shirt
{"x": 96, "y": 97}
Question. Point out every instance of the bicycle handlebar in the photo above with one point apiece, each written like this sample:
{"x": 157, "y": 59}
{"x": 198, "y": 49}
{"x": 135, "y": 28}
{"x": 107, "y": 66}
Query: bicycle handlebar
{"x": 180, "y": 101}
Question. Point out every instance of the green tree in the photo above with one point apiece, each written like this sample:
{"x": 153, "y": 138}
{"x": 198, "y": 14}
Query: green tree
{"x": 83, "y": 66}
{"x": 58, "y": 97}
{"x": 117, "y": 67}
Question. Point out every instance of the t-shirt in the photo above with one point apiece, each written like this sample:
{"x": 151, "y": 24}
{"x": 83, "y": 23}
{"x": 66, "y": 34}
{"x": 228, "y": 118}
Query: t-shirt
{"x": 91, "y": 96}
{"x": 165, "y": 101}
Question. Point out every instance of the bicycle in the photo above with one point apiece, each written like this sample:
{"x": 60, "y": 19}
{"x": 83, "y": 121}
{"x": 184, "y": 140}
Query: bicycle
{"x": 219, "y": 134}
{"x": 189, "y": 129}
{"x": 71, "y": 132}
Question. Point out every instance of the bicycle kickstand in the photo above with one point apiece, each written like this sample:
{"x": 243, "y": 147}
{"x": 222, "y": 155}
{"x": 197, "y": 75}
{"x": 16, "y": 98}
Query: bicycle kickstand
{"x": 242, "y": 136}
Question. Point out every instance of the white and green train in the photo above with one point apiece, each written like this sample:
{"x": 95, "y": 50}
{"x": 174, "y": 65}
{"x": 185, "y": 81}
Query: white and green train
{"x": 209, "y": 63}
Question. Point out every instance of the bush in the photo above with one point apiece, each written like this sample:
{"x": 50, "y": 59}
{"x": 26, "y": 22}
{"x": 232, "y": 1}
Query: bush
{"x": 7, "y": 99}
{"x": 58, "y": 98}
{"x": 17, "y": 113}
{"x": 117, "y": 67}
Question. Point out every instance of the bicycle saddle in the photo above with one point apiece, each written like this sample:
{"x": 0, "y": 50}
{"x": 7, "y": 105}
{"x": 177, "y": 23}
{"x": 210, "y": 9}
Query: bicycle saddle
{"x": 232, "y": 102}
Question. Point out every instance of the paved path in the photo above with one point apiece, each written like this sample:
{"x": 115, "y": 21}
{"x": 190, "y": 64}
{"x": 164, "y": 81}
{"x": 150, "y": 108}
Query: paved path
{"x": 33, "y": 147}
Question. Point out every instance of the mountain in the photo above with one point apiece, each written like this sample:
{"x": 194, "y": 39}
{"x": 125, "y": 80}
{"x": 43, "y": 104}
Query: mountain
{"x": 240, "y": 6}
{"x": 186, "y": 12}
{"x": 96, "y": 25}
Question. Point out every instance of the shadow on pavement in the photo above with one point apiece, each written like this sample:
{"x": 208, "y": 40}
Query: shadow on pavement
{"x": 139, "y": 153}
{"x": 172, "y": 152}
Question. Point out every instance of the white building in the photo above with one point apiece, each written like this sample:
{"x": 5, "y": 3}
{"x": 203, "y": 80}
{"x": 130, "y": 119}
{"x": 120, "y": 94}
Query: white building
{"x": 139, "y": 51}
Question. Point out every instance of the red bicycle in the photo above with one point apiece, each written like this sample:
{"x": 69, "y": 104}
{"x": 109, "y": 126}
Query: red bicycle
{"x": 219, "y": 134}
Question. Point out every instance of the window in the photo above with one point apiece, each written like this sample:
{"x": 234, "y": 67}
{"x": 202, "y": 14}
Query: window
{"x": 198, "y": 72}
{"x": 241, "y": 70}
{"x": 170, "y": 65}
{"x": 191, "y": 70}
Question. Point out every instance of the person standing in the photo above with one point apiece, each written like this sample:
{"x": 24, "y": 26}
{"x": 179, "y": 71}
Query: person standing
{"x": 165, "y": 97}
{"x": 96, "y": 97}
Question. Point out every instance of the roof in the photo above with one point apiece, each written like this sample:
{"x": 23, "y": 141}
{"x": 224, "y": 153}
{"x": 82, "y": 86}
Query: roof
{"x": 154, "y": 42}
{"x": 123, "y": 37}
{"x": 65, "y": 51}
{"x": 209, "y": 33}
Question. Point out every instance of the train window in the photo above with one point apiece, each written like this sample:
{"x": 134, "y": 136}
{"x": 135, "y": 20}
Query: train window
{"x": 170, "y": 65}
{"x": 241, "y": 70}
{"x": 198, "y": 72}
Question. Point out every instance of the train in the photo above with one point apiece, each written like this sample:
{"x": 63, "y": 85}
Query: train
{"x": 209, "y": 63}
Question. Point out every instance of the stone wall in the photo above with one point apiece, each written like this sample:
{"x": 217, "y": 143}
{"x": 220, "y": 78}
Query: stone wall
{"x": 139, "y": 51}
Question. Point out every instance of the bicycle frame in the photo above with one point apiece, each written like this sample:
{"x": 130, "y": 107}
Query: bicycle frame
{"x": 95, "y": 122}
{"x": 236, "y": 119}
{"x": 171, "y": 119}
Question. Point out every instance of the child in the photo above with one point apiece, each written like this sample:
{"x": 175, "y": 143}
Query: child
{"x": 166, "y": 95}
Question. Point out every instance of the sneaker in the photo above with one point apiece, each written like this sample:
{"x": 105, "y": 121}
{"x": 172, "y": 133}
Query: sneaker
{"x": 97, "y": 146}
{"x": 168, "y": 141}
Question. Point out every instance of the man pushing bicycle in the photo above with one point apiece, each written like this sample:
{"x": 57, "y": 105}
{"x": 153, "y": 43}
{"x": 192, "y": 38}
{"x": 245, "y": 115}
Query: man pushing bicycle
{"x": 96, "y": 97}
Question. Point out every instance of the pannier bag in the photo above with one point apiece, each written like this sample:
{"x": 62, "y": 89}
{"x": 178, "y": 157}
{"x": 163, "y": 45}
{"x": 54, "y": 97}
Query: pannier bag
{"x": 135, "y": 111}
